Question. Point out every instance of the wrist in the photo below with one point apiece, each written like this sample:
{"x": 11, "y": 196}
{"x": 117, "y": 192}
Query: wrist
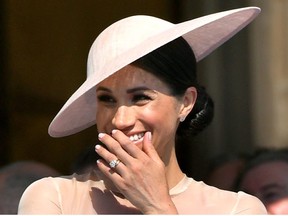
{"x": 166, "y": 208}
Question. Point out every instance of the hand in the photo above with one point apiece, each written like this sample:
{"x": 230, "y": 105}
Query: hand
{"x": 140, "y": 176}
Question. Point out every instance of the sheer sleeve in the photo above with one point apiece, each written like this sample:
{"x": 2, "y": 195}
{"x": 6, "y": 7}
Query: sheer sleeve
{"x": 249, "y": 205}
{"x": 41, "y": 197}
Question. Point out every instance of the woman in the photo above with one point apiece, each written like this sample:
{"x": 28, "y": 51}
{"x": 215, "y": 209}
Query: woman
{"x": 265, "y": 175}
{"x": 141, "y": 90}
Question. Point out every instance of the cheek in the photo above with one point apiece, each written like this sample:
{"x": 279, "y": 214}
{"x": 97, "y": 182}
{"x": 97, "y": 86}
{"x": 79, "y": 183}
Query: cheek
{"x": 161, "y": 116}
{"x": 103, "y": 116}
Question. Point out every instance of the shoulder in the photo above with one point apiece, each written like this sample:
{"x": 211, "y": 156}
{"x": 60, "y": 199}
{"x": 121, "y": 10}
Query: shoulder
{"x": 41, "y": 193}
{"x": 248, "y": 204}
{"x": 62, "y": 184}
{"x": 226, "y": 201}
{"x": 49, "y": 195}
{"x": 240, "y": 202}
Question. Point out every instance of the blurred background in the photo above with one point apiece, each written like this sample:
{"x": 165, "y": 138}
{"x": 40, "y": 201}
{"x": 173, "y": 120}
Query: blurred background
{"x": 44, "y": 48}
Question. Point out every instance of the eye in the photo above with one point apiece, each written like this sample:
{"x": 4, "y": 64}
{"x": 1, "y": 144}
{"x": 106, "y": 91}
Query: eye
{"x": 139, "y": 98}
{"x": 272, "y": 196}
{"x": 106, "y": 99}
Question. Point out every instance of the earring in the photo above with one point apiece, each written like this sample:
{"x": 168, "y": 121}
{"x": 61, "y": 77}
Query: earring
{"x": 182, "y": 119}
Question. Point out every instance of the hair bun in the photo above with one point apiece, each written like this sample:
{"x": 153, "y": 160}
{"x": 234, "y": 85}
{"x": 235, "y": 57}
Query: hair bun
{"x": 201, "y": 115}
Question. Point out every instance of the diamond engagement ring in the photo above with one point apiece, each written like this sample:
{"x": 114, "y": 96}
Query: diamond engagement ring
{"x": 114, "y": 163}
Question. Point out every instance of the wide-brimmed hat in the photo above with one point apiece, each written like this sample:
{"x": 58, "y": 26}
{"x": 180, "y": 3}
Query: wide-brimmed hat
{"x": 133, "y": 37}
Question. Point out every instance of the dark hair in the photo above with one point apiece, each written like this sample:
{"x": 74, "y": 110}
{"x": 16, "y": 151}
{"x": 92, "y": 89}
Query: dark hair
{"x": 175, "y": 64}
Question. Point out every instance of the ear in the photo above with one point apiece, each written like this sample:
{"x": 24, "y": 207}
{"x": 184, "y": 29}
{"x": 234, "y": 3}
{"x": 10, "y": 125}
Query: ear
{"x": 188, "y": 102}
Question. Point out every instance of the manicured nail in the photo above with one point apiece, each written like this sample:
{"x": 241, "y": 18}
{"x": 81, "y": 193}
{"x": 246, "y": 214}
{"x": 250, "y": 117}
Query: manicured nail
{"x": 149, "y": 135}
{"x": 97, "y": 147}
{"x": 101, "y": 135}
{"x": 114, "y": 131}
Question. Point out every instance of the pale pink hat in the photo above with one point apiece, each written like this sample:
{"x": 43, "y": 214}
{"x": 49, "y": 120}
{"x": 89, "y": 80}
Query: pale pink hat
{"x": 133, "y": 37}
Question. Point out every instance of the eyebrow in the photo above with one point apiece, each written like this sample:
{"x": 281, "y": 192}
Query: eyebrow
{"x": 140, "y": 88}
{"x": 129, "y": 91}
{"x": 101, "y": 88}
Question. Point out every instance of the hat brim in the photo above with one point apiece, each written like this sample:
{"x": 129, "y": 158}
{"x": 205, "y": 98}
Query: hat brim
{"x": 203, "y": 34}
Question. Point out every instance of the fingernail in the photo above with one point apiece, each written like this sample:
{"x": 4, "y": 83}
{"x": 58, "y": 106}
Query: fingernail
{"x": 114, "y": 131}
{"x": 101, "y": 135}
{"x": 97, "y": 147}
{"x": 149, "y": 135}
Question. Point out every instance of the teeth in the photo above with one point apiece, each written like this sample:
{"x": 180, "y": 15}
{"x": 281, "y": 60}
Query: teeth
{"x": 136, "y": 137}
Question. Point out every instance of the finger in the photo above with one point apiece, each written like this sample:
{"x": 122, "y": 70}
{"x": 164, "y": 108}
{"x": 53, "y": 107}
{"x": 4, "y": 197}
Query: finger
{"x": 150, "y": 150}
{"x": 113, "y": 147}
{"x": 112, "y": 144}
{"x": 108, "y": 171}
{"x": 104, "y": 153}
{"x": 148, "y": 146}
{"x": 108, "y": 158}
{"x": 127, "y": 144}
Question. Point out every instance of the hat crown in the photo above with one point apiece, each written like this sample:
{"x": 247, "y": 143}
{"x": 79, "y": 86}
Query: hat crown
{"x": 119, "y": 38}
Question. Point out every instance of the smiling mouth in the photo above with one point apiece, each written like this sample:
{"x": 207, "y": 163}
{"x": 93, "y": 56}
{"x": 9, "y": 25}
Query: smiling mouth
{"x": 136, "y": 137}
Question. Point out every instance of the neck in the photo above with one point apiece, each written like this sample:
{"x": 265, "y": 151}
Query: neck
{"x": 173, "y": 172}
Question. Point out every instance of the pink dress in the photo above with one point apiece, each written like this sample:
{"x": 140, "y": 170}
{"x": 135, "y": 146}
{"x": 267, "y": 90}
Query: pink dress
{"x": 86, "y": 194}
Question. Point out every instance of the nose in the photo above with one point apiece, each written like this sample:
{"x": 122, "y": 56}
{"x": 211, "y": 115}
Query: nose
{"x": 124, "y": 118}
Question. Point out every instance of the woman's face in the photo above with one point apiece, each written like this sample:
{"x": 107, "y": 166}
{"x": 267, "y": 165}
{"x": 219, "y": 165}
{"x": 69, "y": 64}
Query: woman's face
{"x": 269, "y": 182}
{"x": 135, "y": 101}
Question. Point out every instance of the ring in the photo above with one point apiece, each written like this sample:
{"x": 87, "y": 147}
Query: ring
{"x": 114, "y": 163}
